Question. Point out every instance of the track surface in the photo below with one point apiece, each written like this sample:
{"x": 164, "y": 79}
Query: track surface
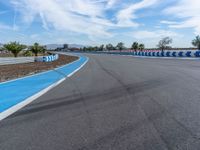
{"x": 113, "y": 103}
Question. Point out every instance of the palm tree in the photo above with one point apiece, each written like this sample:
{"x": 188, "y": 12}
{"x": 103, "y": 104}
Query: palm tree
{"x": 135, "y": 46}
{"x": 36, "y": 48}
{"x": 141, "y": 47}
{"x": 14, "y": 47}
{"x": 196, "y": 42}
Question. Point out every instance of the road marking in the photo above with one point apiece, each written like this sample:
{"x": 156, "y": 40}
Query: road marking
{"x": 78, "y": 68}
{"x": 27, "y": 101}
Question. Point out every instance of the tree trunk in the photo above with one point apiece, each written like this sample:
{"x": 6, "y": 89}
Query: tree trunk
{"x": 15, "y": 54}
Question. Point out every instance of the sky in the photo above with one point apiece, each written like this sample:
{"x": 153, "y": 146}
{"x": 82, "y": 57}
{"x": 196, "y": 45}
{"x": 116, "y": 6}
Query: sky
{"x": 95, "y": 22}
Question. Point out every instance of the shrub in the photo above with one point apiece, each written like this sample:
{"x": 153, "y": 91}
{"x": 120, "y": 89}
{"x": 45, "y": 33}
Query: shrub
{"x": 28, "y": 53}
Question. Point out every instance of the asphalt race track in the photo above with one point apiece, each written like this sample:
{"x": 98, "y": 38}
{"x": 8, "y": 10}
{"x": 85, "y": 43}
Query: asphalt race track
{"x": 113, "y": 103}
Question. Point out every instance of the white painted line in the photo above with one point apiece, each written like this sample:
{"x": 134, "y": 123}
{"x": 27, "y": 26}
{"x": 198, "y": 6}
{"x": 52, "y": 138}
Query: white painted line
{"x": 27, "y": 101}
{"x": 69, "y": 75}
{"x": 22, "y": 104}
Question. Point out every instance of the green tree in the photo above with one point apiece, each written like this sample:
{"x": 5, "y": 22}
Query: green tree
{"x": 28, "y": 53}
{"x": 90, "y": 48}
{"x": 141, "y": 47}
{"x": 101, "y": 47}
{"x": 84, "y": 49}
{"x": 196, "y": 42}
{"x": 96, "y": 48}
{"x": 110, "y": 47}
{"x": 135, "y": 46}
{"x": 120, "y": 46}
{"x": 36, "y": 48}
{"x": 14, "y": 47}
{"x": 1, "y": 48}
{"x": 43, "y": 49}
{"x": 164, "y": 43}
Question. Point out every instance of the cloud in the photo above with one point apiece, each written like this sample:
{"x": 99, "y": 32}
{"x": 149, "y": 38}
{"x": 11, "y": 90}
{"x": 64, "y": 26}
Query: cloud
{"x": 34, "y": 36}
{"x": 87, "y": 21}
{"x": 126, "y": 15}
{"x": 85, "y": 17}
{"x": 188, "y": 11}
{"x": 88, "y": 17}
{"x": 5, "y": 27}
{"x": 154, "y": 34}
{"x": 111, "y": 3}
{"x": 168, "y": 22}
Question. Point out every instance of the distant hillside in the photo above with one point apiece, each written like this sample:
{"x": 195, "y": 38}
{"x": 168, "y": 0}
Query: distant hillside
{"x": 54, "y": 46}
{"x": 76, "y": 46}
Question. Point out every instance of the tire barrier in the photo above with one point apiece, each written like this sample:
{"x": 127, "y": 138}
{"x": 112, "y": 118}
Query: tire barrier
{"x": 47, "y": 58}
{"x": 172, "y": 54}
{"x": 153, "y": 53}
{"x": 168, "y": 53}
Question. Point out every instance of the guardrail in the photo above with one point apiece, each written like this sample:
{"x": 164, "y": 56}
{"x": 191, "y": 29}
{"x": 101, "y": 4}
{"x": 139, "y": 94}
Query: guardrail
{"x": 47, "y": 58}
{"x": 18, "y": 60}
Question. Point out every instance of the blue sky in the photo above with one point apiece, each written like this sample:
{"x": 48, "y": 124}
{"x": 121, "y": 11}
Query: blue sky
{"x": 95, "y": 22}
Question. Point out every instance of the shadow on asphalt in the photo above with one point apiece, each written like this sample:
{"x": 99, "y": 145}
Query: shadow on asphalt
{"x": 91, "y": 99}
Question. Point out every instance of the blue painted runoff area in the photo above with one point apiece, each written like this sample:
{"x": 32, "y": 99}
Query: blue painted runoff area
{"x": 16, "y": 91}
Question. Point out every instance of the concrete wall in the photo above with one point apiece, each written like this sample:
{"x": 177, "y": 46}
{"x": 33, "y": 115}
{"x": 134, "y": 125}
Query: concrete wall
{"x": 18, "y": 60}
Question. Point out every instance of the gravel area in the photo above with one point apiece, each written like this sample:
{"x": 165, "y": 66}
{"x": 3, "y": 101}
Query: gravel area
{"x": 8, "y": 72}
